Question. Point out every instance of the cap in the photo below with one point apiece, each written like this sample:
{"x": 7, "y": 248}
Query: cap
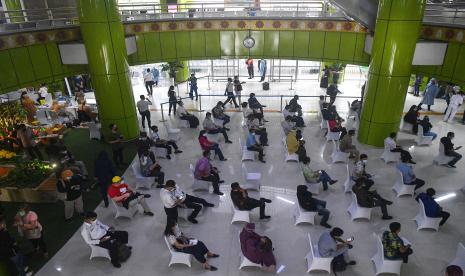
{"x": 116, "y": 179}
{"x": 67, "y": 174}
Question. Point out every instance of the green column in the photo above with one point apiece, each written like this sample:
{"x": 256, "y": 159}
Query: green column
{"x": 183, "y": 73}
{"x": 14, "y": 5}
{"x": 103, "y": 35}
{"x": 396, "y": 33}
{"x": 163, "y": 6}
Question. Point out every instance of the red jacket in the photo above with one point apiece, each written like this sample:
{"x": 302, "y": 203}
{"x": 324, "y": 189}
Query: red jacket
{"x": 204, "y": 143}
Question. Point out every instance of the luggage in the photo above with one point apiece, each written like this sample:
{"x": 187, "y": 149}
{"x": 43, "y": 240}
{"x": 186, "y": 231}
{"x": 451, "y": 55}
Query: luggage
{"x": 266, "y": 86}
{"x": 124, "y": 252}
{"x": 338, "y": 264}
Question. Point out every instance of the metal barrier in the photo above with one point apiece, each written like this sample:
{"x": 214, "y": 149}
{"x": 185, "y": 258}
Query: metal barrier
{"x": 286, "y": 78}
{"x": 161, "y": 108}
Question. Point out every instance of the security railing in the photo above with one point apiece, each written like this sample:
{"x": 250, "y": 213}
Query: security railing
{"x": 452, "y": 14}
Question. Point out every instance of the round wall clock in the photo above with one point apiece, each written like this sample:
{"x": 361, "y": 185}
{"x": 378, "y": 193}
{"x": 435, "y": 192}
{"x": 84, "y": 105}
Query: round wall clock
{"x": 249, "y": 42}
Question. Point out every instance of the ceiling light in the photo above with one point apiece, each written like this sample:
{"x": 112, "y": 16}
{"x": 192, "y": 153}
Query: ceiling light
{"x": 285, "y": 200}
{"x": 444, "y": 197}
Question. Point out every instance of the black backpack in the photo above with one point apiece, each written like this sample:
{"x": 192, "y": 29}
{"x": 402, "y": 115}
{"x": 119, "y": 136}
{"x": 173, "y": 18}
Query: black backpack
{"x": 124, "y": 252}
{"x": 338, "y": 264}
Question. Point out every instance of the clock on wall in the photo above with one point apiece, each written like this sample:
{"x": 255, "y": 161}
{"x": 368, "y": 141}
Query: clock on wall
{"x": 248, "y": 42}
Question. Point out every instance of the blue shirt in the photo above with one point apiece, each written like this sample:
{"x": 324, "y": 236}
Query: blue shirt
{"x": 432, "y": 208}
{"x": 407, "y": 173}
{"x": 327, "y": 246}
{"x": 251, "y": 140}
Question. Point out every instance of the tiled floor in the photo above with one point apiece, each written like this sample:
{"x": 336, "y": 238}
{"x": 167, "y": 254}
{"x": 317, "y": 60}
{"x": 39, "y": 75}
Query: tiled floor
{"x": 432, "y": 250}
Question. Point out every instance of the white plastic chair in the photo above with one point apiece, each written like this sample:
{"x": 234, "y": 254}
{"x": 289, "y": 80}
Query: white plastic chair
{"x": 198, "y": 183}
{"x": 383, "y": 265}
{"x": 357, "y": 212}
{"x": 289, "y": 156}
{"x": 159, "y": 152}
{"x": 425, "y": 222}
{"x": 252, "y": 179}
{"x": 246, "y": 154}
{"x": 338, "y": 155}
{"x": 332, "y": 136}
{"x": 349, "y": 182}
{"x": 459, "y": 257}
{"x": 178, "y": 257}
{"x": 173, "y": 133}
{"x": 94, "y": 131}
{"x": 213, "y": 137}
{"x": 96, "y": 251}
{"x": 442, "y": 158}
{"x": 182, "y": 123}
{"x": 303, "y": 216}
{"x": 406, "y": 127}
{"x": 315, "y": 261}
{"x": 123, "y": 212}
{"x": 238, "y": 215}
{"x": 400, "y": 188}
{"x": 422, "y": 139}
{"x": 389, "y": 156}
{"x": 142, "y": 181}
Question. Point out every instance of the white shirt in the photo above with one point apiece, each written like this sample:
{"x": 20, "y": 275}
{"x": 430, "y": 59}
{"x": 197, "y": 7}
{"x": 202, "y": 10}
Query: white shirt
{"x": 287, "y": 113}
{"x": 177, "y": 234}
{"x": 359, "y": 169}
{"x": 456, "y": 100}
{"x": 168, "y": 198}
{"x": 43, "y": 91}
{"x": 389, "y": 143}
{"x": 155, "y": 136}
{"x": 143, "y": 105}
{"x": 93, "y": 232}
{"x": 181, "y": 110}
{"x": 148, "y": 76}
{"x": 230, "y": 87}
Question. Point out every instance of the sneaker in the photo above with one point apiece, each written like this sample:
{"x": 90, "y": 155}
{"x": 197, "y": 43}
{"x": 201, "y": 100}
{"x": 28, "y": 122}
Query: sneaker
{"x": 178, "y": 151}
{"x": 267, "y": 200}
{"x": 224, "y": 159}
{"x": 451, "y": 166}
{"x": 263, "y": 161}
{"x": 411, "y": 162}
{"x": 147, "y": 195}
{"x": 168, "y": 157}
{"x": 228, "y": 141}
{"x": 352, "y": 263}
{"x": 218, "y": 193}
{"x": 150, "y": 214}
{"x": 193, "y": 220}
{"x": 265, "y": 217}
{"x": 213, "y": 268}
{"x": 388, "y": 202}
{"x": 332, "y": 182}
{"x": 117, "y": 265}
{"x": 326, "y": 225}
{"x": 209, "y": 205}
{"x": 266, "y": 121}
{"x": 227, "y": 128}
{"x": 386, "y": 217}
{"x": 214, "y": 256}
{"x": 159, "y": 186}
{"x": 221, "y": 181}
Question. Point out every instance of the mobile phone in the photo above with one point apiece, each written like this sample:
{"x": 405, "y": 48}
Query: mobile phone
{"x": 351, "y": 239}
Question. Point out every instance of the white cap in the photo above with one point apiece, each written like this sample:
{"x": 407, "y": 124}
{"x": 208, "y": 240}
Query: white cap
{"x": 456, "y": 88}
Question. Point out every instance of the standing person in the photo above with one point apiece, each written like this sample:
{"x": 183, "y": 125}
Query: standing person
{"x": 262, "y": 69}
{"x": 148, "y": 79}
{"x": 238, "y": 87}
{"x": 104, "y": 172}
{"x": 193, "y": 84}
{"x": 71, "y": 185}
{"x": 205, "y": 171}
{"x": 156, "y": 75}
{"x": 172, "y": 99}
{"x": 455, "y": 101}
{"x": 431, "y": 91}
{"x": 309, "y": 203}
{"x": 336, "y": 74}
{"x": 416, "y": 86}
{"x": 432, "y": 208}
{"x": 250, "y": 69}
{"x": 332, "y": 92}
{"x": 229, "y": 91}
{"x": 29, "y": 226}
{"x": 117, "y": 145}
{"x": 24, "y": 134}
{"x": 325, "y": 77}
{"x": 394, "y": 246}
{"x": 143, "y": 107}
{"x": 97, "y": 233}
{"x": 449, "y": 149}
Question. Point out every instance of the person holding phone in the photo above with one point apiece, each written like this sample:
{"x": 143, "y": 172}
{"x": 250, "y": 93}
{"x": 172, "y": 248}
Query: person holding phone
{"x": 309, "y": 203}
{"x": 312, "y": 176}
{"x": 395, "y": 248}
{"x": 449, "y": 149}
{"x": 331, "y": 244}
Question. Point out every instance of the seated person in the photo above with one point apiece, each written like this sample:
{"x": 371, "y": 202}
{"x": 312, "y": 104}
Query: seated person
{"x": 394, "y": 247}
{"x": 242, "y": 201}
{"x": 252, "y": 145}
{"x": 150, "y": 169}
{"x": 359, "y": 171}
{"x": 302, "y": 151}
{"x": 408, "y": 175}
{"x": 208, "y": 145}
{"x": 178, "y": 198}
{"x": 218, "y": 113}
{"x": 9, "y": 253}
{"x": 331, "y": 244}
{"x": 449, "y": 149}
{"x": 162, "y": 143}
{"x": 346, "y": 145}
{"x": 292, "y": 143}
{"x": 298, "y": 120}
{"x": 309, "y": 203}
{"x": 412, "y": 116}
{"x": 257, "y": 249}
{"x": 254, "y": 124}
{"x": 254, "y": 104}
{"x": 181, "y": 243}
{"x": 248, "y": 111}
{"x": 370, "y": 199}
{"x": 97, "y": 233}
{"x": 288, "y": 125}
{"x": 454, "y": 270}
{"x": 211, "y": 128}
{"x": 184, "y": 115}
{"x": 121, "y": 194}
{"x": 391, "y": 144}
{"x": 143, "y": 146}
{"x": 294, "y": 106}
{"x": 432, "y": 208}
{"x": 205, "y": 171}
{"x": 427, "y": 126}
{"x": 315, "y": 176}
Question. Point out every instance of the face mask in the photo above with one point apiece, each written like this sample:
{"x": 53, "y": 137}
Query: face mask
{"x": 21, "y": 213}
{"x": 94, "y": 222}
{"x": 364, "y": 161}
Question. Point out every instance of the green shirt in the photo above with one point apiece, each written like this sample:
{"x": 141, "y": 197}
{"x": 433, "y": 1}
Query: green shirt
{"x": 309, "y": 175}
{"x": 391, "y": 244}
{"x": 193, "y": 80}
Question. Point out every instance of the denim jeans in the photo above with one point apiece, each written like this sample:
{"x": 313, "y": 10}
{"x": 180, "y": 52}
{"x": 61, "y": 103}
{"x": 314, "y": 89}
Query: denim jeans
{"x": 430, "y": 133}
{"x": 18, "y": 261}
{"x": 322, "y": 211}
{"x": 324, "y": 179}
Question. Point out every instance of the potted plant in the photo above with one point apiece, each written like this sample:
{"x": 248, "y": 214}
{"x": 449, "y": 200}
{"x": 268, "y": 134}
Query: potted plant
{"x": 172, "y": 68}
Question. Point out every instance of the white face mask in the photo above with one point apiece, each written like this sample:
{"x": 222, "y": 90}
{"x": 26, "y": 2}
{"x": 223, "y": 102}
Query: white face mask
{"x": 21, "y": 213}
{"x": 364, "y": 161}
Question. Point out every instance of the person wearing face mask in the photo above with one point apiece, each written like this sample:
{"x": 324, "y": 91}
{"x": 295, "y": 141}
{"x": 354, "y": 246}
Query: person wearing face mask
{"x": 432, "y": 208}
{"x": 449, "y": 149}
{"x": 427, "y": 126}
{"x": 71, "y": 186}
{"x": 29, "y": 227}
{"x": 9, "y": 252}
{"x": 169, "y": 145}
{"x": 205, "y": 171}
{"x": 360, "y": 171}
{"x": 455, "y": 101}
{"x": 143, "y": 146}
{"x": 123, "y": 195}
{"x": 408, "y": 176}
{"x": 391, "y": 144}
{"x": 117, "y": 145}
{"x": 149, "y": 169}
{"x": 97, "y": 233}
{"x": 331, "y": 244}
{"x": 208, "y": 145}
{"x": 370, "y": 199}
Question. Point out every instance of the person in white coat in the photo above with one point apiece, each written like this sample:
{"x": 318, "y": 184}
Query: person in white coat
{"x": 455, "y": 101}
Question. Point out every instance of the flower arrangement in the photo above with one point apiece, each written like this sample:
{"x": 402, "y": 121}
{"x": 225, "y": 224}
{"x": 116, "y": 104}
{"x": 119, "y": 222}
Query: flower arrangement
{"x": 7, "y": 155}
{"x": 27, "y": 174}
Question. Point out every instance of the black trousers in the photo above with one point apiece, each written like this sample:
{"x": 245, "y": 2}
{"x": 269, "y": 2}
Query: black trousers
{"x": 252, "y": 203}
{"x": 445, "y": 216}
{"x": 263, "y": 136}
{"x": 221, "y": 130}
{"x": 149, "y": 86}
{"x": 103, "y": 186}
{"x": 214, "y": 178}
{"x": 167, "y": 145}
{"x": 171, "y": 214}
{"x": 198, "y": 251}
{"x": 116, "y": 238}
{"x": 39, "y": 244}
{"x": 145, "y": 115}
{"x": 172, "y": 105}
{"x": 193, "y": 121}
{"x": 230, "y": 98}
{"x": 417, "y": 182}
{"x": 196, "y": 203}
{"x": 250, "y": 71}
{"x": 403, "y": 153}
{"x": 257, "y": 149}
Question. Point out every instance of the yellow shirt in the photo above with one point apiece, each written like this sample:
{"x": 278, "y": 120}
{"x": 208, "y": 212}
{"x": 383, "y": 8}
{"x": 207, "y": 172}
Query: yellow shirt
{"x": 292, "y": 143}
